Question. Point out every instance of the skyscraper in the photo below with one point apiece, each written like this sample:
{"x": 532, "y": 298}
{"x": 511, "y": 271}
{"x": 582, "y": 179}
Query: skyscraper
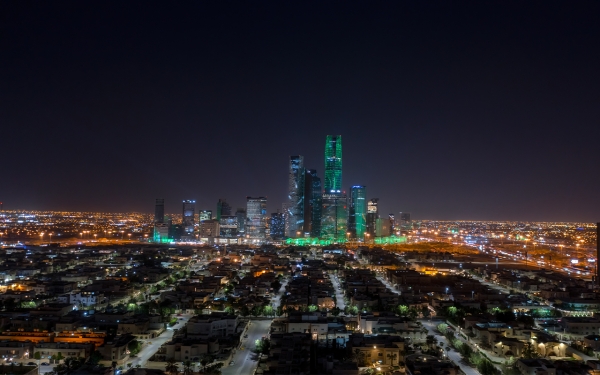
{"x": 277, "y": 225}
{"x": 405, "y": 221}
{"x": 256, "y": 217}
{"x": 189, "y": 210}
{"x": 240, "y": 213}
{"x": 358, "y": 212}
{"x": 223, "y": 208}
{"x": 295, "y": 207}
{"x": 334, "y": 217}
{"x": 333, "y": 164}
{"x": 159, "y": 210}
{"x": 313, "y": 205}
{"x": 204, "y": 215}
{"x": 372, "y": 216}
{"x": 228, "y": 226}
{"x": 334, "y": 213}
{"x": 392, "y": 224}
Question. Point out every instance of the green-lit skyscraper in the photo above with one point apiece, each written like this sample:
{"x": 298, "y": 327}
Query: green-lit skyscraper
{"x": 334, "y": 213}
{"x": 333, "y": 164}
{"x": 358, "y": 211}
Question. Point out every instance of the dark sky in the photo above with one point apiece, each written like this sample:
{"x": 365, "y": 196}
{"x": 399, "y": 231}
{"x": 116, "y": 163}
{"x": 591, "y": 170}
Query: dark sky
{"x": 449, "y": 110}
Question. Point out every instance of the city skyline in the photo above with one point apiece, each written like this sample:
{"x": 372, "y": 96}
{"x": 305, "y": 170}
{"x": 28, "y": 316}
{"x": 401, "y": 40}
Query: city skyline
{"x": 483, "y": 111}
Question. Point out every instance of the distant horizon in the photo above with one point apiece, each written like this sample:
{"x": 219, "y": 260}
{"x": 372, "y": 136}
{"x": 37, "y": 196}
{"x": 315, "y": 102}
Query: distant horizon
{"x": 381, "y": 215}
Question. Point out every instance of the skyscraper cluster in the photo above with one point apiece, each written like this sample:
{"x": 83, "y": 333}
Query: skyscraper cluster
{"x": 312, "y": 209}
{"x": 325, "y": 211}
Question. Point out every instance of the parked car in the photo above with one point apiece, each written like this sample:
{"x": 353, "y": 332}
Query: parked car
{"x": 30, "y": 364}
{"x": 45, "y": 364}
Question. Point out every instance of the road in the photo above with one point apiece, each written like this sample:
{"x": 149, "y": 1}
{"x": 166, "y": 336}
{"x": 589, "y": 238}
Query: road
{"x": 276, "y": 301}
{"x": 245, "y": 361}
{"x": 453, "y": 355}
{"x": 340, "y": 303}
{"x": 154, "y": 344}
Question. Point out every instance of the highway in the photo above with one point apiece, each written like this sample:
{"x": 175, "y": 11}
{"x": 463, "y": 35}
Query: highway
{"x": 244, "y": 360}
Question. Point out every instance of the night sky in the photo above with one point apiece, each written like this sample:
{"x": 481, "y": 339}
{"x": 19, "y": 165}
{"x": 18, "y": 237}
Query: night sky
{"x": 449, "y": 110}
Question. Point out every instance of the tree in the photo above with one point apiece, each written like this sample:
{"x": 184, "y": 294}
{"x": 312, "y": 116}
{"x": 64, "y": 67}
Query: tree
{"x": 335, "y": 311}
{"x": 313, "y": 308}
{"x": 95, "y": 358}
{"x": 529, "y": 351}
{"x": 59, "y": 357}
{"x": 443, "y": 328}
{"x": 188, "y": 368}
{"x": 359, "y": 357}
{"x": 486, "y": 367}
{"x": 244, "y": 311}
{"x": 229, "y": 310}
{"x": 402, "y": 310}
{"x": 268, "y": 311}
{"x": 205, "y": 360}
{"x": 392, "y": 357}
{"x": 425, "y": 311}
{"x": 276, "y": 285}
{"x": 262, "y": 345}
{"x": 134, "y": 347}
{"x": 430, "y": 340}
{"x": 171, "y": 366}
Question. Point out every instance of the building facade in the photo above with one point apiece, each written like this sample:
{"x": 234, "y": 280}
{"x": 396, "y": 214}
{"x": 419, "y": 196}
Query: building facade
{"x": 223, "y": 208}
{"x": 228, "y": 226}
{"x": 256, "y": 218}
{"x": 357, "y": 220}
{"x": 277, "y": 226}
{"x": 295, "y": 214}
{"x": 372, "y": 216}
{"x": 159, "y": 210}
{"x": 189, "y": 211}
{"x": 313, "y": 203}
{"x": 334, "y": 201}
{"x": 333, "y": 164}
{"x": 204, "y": 215}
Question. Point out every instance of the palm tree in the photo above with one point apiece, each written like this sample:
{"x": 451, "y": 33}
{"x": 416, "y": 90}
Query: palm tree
{"x": 171, "y": 367}
{"x": 392, "y": 356}
{"x": 359, "y": 356}
{"x": 205, "y": 360}
{"x": 188, "y": 368}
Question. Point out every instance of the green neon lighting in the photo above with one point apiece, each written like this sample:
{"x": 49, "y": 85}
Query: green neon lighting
{"x": 314, "y": 241}
{"x": 333, "y": 164}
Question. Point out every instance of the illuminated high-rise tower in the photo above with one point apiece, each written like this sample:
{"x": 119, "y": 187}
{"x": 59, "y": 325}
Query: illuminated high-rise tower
{"x": 189, "y": 211}
{"x": 256, "y": 217}
{"x": 313, "y": 203}
{"x": 358, "y": 212}
{"x": 333, "y": 164}
{"x": 334, "y": 213}
{"x": 372, "y": 216}
{"x": 295, "y": 206}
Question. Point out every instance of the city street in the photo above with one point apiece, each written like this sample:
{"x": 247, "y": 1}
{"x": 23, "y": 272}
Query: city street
{"x": 276, "y": 301}
{"x": 339, "y": 295}
{"x": 244, "y": 359}
{"x": 453, "y": 355}
{"x": 153, "y": 345}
